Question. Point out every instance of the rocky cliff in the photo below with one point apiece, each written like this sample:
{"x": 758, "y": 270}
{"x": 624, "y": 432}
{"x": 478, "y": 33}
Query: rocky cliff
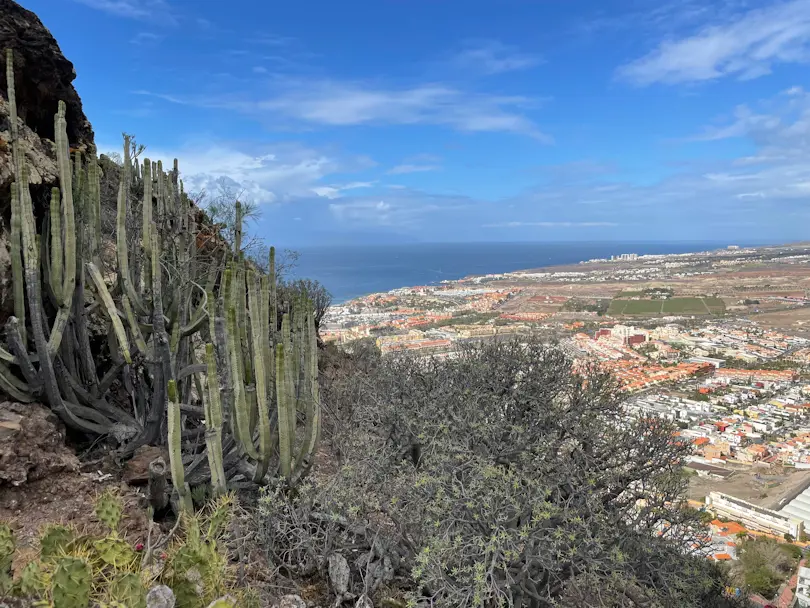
{"x": 43, "y": 76}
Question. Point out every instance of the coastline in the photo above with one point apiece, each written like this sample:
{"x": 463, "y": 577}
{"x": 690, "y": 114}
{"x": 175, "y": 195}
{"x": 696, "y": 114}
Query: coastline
{"x": 333, "y": 266}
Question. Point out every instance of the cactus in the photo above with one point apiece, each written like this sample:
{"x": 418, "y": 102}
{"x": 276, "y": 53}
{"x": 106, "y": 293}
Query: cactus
{"x": 213, "y": 424}
{"x": 32, "y": 581}
{"x": 114, "y": 552}
{"x": 72, "y": 583}
{"x": 55, "y": 541}
{"x": 128, "y": 590}
{"x": 108, "y": 509}
{"x": 156, "y": 308}
{"x": 7, "y": 547}
{"x": 175, "y": 453}
{"x": 223, "y": 602}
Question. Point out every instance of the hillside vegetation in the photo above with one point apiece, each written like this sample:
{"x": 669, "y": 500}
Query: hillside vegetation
{"x": 501, "y": 477}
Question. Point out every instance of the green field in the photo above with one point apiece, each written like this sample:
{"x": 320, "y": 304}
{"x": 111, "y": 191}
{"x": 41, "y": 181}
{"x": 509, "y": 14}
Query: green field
{"x": 683, "y": 306}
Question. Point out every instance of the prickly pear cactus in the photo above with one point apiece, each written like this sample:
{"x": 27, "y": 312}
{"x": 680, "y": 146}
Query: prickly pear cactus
{"x": 108, "y": 509}
{"x": 72, "y": 583}
{"x": 223, "y": 602}
{"x": 128, "y": 590}
{"x": 32, "y": 581}
{"x": 6, "y": 547}
{"x": 114, "y": 552}
{"x": 55, "y": 541}
{"x": 6, "y": 557}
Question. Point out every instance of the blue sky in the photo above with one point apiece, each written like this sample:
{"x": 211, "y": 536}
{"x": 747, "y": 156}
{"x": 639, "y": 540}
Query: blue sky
{"x": 446, "y": 120}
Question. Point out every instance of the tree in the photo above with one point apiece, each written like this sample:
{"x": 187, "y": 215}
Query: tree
{"x": 502, "y": 477}
{"x": 320, "y": 297}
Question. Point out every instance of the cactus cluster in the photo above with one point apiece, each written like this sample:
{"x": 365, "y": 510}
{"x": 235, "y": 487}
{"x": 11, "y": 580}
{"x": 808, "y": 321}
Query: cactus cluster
{"x": 79, "y": 571}
{"x": 254, "y": 396}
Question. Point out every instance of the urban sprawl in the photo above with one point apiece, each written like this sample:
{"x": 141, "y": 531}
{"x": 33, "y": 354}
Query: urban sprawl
{"x": 717, "y": 341}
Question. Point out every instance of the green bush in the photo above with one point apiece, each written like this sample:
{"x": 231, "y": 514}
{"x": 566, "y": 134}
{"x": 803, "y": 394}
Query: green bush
{"x": 501, "y": 477}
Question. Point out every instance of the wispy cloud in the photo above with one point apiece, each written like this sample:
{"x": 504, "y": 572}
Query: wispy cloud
{"x": 493, "y": 57}
{"x": 131, "y": 9}
{"x": 401, "y": 208}
{"x": 337, "y": 191}
{"x": 744, "y": 46}
{"x": 550, "y": 224}
{"x": 335, "y": 103}
{"x": 145, "y": 39}
{"x": 409, "y": 168}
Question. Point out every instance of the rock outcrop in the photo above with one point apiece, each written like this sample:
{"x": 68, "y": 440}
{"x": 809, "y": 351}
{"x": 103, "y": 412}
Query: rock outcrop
{"x": 32, "y": 444}
{"x": 43, "y": 77}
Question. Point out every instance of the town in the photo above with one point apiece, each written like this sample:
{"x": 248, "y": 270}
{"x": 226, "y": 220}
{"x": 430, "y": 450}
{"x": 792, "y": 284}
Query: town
{"x": 714, "y": 341}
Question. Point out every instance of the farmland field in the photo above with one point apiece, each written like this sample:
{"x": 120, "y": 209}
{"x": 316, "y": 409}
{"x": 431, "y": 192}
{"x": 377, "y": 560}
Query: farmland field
{"x": 683, "y": 306}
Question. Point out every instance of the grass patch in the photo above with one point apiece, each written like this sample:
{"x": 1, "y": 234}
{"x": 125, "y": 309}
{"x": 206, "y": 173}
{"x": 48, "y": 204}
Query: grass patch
{"x": 684, "y": 306}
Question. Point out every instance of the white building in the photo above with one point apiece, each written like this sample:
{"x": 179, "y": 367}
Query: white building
{"x": 753, "y": 516}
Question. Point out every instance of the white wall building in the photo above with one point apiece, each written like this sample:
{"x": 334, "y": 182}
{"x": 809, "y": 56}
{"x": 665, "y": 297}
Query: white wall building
{"x": 753, "y": 516}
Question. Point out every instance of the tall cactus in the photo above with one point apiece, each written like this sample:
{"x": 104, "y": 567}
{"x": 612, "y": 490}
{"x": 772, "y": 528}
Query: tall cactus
{"x": 162, "y": 303}
{"x": 175, "y": 450}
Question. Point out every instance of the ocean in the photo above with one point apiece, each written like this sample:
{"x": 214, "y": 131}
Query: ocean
{"x": 352, "y": 271}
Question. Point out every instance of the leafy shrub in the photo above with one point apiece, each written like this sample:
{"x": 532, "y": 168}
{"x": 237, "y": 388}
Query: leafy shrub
{"x": 501, "y": 477}
{"x": 764, "y": 564}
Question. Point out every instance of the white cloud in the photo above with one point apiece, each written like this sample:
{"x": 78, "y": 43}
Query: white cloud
{"x": 493, "y": 57}
{"x": 132, "y": 9}
{"x": 550, "y": 224}
{"x": 411, "y": 168}
{"x": 377, "y": 212}
{"x": 277, "y": 173}
{"x": 145, "y": 39}
{"x": 336, "y": 191}
{"x": 401, "y": 207}
{"x": 745, "y": 46}
{"x": 336, "y": 103}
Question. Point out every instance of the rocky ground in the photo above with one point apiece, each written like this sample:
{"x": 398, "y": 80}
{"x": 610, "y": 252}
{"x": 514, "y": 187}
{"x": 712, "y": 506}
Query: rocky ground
{"x": 43, "y": 481}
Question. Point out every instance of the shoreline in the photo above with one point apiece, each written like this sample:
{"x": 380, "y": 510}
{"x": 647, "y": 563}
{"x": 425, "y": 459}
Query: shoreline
{"x": 589, "y": 264}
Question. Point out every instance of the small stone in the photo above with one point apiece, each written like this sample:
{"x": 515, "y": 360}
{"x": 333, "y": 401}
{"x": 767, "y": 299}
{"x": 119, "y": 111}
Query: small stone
{"x": 160, "y": 597}
{"x": 339, "y": 574}
{"x": 292, "y": 601}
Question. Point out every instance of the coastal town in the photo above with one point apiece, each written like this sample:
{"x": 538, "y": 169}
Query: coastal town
{"x": 718, "y": 342}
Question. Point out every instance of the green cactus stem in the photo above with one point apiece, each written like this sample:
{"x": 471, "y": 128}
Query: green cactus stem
{"x": 258, "y": 325}
{"x": 241, "y": 414}
{"x": 16, "y": 259}
{"x": 175, "y": 451}
{"x": 56, "y": 247}
{"x": 213, "y": 424}
{"x": 69, "y": 224}
{"x": 146, "y": 230}
{"x": 112, "y": 311}
{"x": 286, "y": 410}
{"x": 312, "y": 401}
{"x": 121, "y": 244}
